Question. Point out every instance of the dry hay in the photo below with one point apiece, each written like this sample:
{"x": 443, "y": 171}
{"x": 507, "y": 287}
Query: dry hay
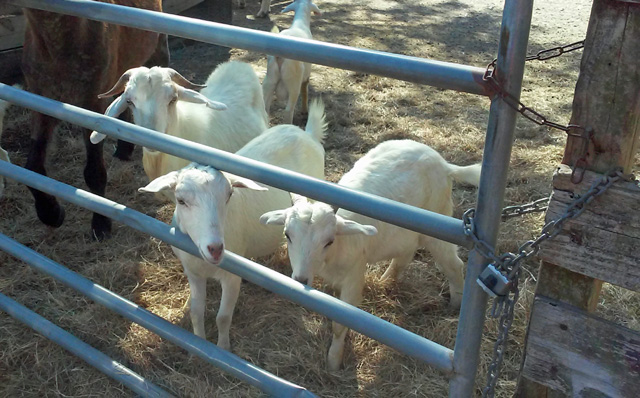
{"x": 267, "y": 330}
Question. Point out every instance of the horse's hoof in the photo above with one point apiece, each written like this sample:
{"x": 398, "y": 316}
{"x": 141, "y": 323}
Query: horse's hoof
{"x": 100, "y": 227}
{"x": 52, "y": 216}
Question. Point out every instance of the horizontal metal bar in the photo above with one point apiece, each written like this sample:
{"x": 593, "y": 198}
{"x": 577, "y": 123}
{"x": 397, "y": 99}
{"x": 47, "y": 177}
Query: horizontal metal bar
{"x": 387, "y": 333}
{"x": 79, "y": 348}
{"x": 216, "y": 356}
{"x": 410, "y": 217}
{"x": 412, "y": 69}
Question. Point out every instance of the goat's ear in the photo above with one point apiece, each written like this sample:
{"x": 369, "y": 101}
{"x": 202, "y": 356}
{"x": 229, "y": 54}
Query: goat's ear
{"x": 240, "y": 182}
{"x": 275, "y": 217}
{"x": 118, "y": 106}
{"x": 162, "y": 183}
{"x": 195, "y": 97}
{"x": 290, "y": 7}
{"x": 315, "y": 10}
{"x": 348, "y": 227}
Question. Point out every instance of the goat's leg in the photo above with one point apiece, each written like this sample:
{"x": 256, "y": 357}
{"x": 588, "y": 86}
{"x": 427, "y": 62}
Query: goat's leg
{"x": 197, "y": 299}
{"x": 230, "y": 292}
{"x": 265, "y": 6}
{"x": 351, "y": 293}
{"x": 446, "y": 257}
{"x": 291, "y": 73}
{"x": 270, "y": 82}
{"x": 304, "y": 90}
{"x": 47, "y": 207}
{"x": 95, "y": 175}
{"x": 397, "y": 266}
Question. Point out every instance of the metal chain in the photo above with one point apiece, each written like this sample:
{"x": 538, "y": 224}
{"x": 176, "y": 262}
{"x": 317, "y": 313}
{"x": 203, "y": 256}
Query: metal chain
{"x": 508, "y": 265}
{"x": 513, "y": 102}
{"x": 555, "y": 51}
{"x": 519, "y": 210}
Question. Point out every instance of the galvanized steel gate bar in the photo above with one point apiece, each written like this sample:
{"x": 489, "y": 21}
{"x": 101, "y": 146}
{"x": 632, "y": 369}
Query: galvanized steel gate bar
{"x": 394, "y": 336}
{"x": 511, "y": 55}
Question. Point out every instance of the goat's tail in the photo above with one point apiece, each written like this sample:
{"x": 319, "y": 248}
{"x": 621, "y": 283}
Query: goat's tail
{"x": 316, "y": 124}
{"x": 465, "y": 174}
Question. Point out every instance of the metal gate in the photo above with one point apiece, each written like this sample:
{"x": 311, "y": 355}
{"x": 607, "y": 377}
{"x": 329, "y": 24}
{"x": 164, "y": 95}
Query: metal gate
{"x": 460, "y": 364}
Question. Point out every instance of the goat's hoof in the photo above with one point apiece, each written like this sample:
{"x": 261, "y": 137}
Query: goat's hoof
{"x": 262, "y": 14}
{"x": 100, "y": 227}
{"x": 225, "y": 345}
{"x": 52, "y": 216}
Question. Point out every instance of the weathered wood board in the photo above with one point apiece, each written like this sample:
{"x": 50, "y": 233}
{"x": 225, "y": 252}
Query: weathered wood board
{"x": 12, "y": 22}
{"x": 579, "y": 354}
{"x": 603, "y": 241}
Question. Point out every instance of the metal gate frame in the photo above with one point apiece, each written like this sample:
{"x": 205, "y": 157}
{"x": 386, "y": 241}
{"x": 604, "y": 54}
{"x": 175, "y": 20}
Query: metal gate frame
{"x": 462, "y": 362}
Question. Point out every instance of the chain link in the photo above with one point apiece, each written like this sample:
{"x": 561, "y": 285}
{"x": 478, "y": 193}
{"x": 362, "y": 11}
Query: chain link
{"x": 555, "y": 51}
{"x": 519, "y": 210}
{"x": 509, "y": 264}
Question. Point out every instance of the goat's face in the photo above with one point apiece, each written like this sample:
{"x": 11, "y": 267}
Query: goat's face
{"x": 311, "y": 231}
{"x": 152, "y": 96}
{"x": 202, "y": 195}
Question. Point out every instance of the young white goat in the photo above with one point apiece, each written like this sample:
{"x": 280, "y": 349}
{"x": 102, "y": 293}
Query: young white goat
{"x": 338, "y": 246}
{"x": 163, "y": 100}
{"x": 4, "y": 155}
{"x": 217, "y": 215}
{"x": 285, "y": 77}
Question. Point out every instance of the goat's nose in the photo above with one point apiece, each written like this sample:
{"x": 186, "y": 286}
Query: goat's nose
{"x": 302, "y": 279}
{"x": 216, "y": 249}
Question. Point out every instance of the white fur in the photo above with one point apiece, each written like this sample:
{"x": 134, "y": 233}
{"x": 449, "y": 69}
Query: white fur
{"x": 216, "y": 213}
{"x": 226, "y": 114}
{"x": 338, "y": 246}
{"x": 286, "y": 77}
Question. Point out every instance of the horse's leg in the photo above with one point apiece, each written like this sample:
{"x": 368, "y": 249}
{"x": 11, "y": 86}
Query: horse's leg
{"x": 95, "y": 175}
{"x": 47, "y": 207}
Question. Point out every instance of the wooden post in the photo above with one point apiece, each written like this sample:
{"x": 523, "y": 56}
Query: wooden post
{"x": 607, "y": 104}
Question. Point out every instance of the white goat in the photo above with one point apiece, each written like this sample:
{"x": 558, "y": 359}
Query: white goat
{"x": 4, "y": 155}
{"x": 334, "y": 246}
{"x": 162, "y": 100}
{"x": 216, "y": 216}
{"x": 285, "y": 77}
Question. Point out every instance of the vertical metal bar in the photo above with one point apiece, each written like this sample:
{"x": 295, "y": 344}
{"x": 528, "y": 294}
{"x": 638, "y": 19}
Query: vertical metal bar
{"x": 514, "y": 35}
{"x": 79, "y": 348}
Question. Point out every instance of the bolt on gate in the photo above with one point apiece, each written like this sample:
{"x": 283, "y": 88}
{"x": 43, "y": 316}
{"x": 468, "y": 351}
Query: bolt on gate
{"x": 460, "y": 364}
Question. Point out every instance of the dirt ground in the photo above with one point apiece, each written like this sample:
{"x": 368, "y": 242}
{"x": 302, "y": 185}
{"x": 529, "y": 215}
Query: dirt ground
{"x": 275, "y": 334}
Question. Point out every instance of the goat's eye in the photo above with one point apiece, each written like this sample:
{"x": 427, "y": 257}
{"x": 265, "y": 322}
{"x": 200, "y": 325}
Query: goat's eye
{"x": 287, "y": 236}
{"x": 229, "y": 197}
{"x": 173, "y": 100}
{"x": 329, "y": 243}
{"x": 129, "y": 102}
{"x": 181, "y": 202}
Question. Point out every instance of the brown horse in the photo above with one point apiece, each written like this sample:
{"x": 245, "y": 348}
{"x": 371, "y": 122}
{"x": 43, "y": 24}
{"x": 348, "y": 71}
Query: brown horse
{"x": 72, "y": 60}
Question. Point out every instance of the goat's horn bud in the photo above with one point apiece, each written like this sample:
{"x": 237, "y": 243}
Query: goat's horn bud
{"x": 119, "y": 86}
{"x": 182, "y": 81}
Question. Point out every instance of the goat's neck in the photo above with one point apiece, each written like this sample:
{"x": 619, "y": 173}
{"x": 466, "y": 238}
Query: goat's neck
{"x": 302, "y": 18}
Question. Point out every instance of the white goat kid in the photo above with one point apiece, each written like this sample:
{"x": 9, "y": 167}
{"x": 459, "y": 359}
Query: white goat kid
{"x": 163, "y": 100}
{"x": 216, "y": 214}
{"x": 288, "y": 78}
{"x": 338, "y": 246}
